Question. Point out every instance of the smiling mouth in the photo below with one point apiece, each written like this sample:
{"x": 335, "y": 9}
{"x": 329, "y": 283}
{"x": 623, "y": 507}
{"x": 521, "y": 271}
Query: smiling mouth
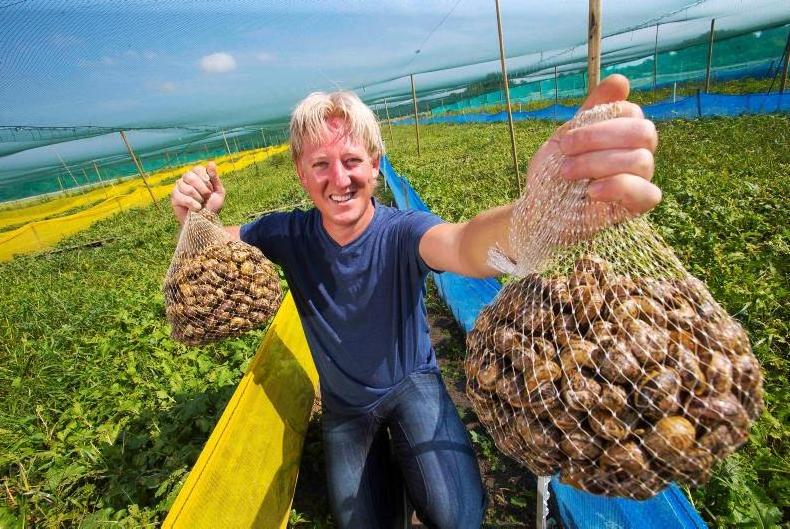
{"x": 340, "y": 199}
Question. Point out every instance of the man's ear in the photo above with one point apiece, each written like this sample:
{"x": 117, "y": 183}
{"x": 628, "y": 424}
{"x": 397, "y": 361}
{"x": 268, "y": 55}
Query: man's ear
{"x": 299, "y": 173}
{"x": 375, "y": 164}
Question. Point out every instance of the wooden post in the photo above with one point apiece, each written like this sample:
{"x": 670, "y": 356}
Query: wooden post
{"x": 710, "y": 55}
{"x": 507, "y": 96}
{"x": 556, "y": 93}
{"x": 416, "y": 120}
{"x": 139, "y": 168}
{"x": 594, "y": 45}
{"x": 784, "y": 66}
{"x": 227, "y": 148}
{"x": 76, "y": 184}
{"x": 389, "y": 122}
{"x": 655, "y": 62}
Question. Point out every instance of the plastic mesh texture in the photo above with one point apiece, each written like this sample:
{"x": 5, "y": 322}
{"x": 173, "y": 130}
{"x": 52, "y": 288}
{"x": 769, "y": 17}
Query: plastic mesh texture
{"x": 604, "y": 359}
{"x": 217, "y": 287}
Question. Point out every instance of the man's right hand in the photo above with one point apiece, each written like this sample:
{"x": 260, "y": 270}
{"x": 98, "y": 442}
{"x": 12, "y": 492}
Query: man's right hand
{"x": 198, "y": 188}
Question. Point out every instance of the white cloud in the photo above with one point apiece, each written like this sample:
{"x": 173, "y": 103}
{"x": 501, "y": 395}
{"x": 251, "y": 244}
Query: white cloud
{"x": 150, "y": 55}
{"x": 168, "y": 87}
{"x": 107, "y": 61}
{"x": 218, "y": 63}
{"x": 264, "y": 56}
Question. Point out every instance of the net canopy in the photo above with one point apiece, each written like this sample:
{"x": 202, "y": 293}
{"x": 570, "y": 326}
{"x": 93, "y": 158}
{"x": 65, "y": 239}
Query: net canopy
{"x": 190, "y": 80}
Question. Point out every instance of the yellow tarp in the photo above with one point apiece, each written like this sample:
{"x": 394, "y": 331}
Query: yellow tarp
{"x": 56, "y": 206}
{"x": 41, "y": 234}
{"x": 246, "y": 474}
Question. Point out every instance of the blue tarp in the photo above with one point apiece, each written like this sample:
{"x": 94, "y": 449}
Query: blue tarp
{"x": 577, "y": 509}
{"x": 699, "y": 105}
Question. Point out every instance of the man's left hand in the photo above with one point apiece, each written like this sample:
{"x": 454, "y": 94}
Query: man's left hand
{"x": 616, "y": 154}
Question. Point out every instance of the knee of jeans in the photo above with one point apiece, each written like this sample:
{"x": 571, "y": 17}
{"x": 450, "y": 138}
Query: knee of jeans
{"x": 459, "y": 512}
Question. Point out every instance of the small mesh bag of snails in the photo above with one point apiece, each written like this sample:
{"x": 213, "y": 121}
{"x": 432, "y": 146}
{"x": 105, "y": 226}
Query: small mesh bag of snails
{"x": 217, "y": 287}
{"x": 604, "y": 359}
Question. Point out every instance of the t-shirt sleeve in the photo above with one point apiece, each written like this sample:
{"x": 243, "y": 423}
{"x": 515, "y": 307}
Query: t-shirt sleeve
{"x": 414, "y": 225}
{"x": 270, "y": 234}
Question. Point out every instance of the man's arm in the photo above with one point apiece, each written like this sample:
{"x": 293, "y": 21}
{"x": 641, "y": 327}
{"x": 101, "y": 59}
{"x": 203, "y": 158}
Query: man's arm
{"x": 616, "y": 155}
{"x": 234, "y": 232}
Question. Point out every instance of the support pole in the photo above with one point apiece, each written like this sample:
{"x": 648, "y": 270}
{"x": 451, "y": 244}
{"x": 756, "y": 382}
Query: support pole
{"x": 264, "y": 138}
{"x": 60, "y": 184}
{"x": 76, "y": 184}
{"x": 594, "y": 45}
{"x": 139, "y": 168}
{"x": 505, "y": 83}
{"x": 227, "y": 148}
{"x": 416, "y": 120}
{"x": 784, "y": 67}
{"x": 655, "y": 62}
{"x": 710, "y": 55}
{"x": 389, "y": 123}
{"x": 556, "y": 93}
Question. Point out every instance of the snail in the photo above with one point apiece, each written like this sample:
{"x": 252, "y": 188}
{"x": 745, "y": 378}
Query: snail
{"x": 627, "y": 456}
{"x": 487, "y": 377}
{"x": 658, "y": 393}
{"x": 670, "y": 436}
{"x": 647, "y": 343}
{"x": 578, "y": 391}
{"x": 577, "y": 354}
{"x": 616, "y": 363}
{"x": 718, "y": 371}
{"x": 587, "y": 303}
{"x": 682, "y": 360}
{"x": 535, "y": 350}
{"x": 580, "y": 445}
{"x": 612, "y": 398}
{"x": 607, "y": 425}
{"x": 714, "y": 409}
{"x": 598, "y": 267}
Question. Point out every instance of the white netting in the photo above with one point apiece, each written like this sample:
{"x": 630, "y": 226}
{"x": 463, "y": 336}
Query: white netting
{"x": 217, "y": 287}
{"x": 606, "y": 360}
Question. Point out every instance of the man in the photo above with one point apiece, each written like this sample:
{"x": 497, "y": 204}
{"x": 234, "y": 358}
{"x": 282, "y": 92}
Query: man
{"x": 356, "y": 269}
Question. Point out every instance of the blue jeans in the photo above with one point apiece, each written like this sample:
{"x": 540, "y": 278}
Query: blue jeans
{"x": 413, "y": 439}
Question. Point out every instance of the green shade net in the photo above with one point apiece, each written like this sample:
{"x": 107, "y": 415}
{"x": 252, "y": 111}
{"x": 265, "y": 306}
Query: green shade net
{"x": 182, "y": 77}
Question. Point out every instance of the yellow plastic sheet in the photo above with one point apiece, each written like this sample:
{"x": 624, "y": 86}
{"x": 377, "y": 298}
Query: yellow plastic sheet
{"x": 246, "y": 474}
{"x": 57, "y": 206}
{"x": 41, "y": 234}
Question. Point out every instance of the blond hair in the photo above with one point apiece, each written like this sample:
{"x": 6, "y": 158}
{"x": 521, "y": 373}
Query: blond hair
{"x": 308, "y": 121}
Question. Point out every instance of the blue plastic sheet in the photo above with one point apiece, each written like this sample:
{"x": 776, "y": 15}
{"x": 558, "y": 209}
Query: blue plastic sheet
{"x": 577, "y": 509}
{"x": 699, "y": 105}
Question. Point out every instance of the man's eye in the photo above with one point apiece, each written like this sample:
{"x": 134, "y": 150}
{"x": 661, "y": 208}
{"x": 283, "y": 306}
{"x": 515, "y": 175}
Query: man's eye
{"x": 354, "y": 161}
{"x": 320, "y": 165}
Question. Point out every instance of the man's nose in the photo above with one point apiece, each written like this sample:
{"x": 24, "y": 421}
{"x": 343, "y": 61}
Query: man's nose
{"x": 339, "y": 175}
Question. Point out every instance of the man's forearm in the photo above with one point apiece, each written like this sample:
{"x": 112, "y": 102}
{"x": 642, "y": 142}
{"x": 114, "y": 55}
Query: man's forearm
{"x": 487, "y": 230}
{"x": 233, "y": 232}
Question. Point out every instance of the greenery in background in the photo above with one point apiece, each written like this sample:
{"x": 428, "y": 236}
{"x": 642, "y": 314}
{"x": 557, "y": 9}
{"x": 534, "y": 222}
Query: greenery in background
{"x": 724, "y": 213}
{"x": 103, "y": 415}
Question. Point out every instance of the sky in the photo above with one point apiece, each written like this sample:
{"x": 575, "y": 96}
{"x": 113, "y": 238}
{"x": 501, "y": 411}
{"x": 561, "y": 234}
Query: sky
{"x": 147, "y": 63}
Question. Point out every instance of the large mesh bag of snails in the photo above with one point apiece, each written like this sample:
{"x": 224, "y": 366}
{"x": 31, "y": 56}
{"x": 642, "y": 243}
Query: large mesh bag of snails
{"x": 604, "y": 359}
{"x": 217, "y": 287}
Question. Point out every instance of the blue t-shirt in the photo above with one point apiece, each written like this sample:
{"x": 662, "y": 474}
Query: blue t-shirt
{"x": 361, "y": 305}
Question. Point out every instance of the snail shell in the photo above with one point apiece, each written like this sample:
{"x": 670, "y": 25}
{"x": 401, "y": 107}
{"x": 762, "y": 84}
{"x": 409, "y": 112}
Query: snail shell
{"x": 658, "y": 393}
{"x": 670, "y": 436}
{"x": 580, "y": 445}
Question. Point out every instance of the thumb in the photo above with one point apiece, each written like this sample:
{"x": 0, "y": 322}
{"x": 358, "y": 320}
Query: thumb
{"x": 211, "y": 169}
{"x": 613, "y": 88}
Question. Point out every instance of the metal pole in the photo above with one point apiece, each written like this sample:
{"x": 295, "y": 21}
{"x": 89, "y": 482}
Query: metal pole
{"x": 556, "y": 93}
{"x": 655, "y": 62}
{"x": 139, "y": 168}
{"x": 389, "y": 123}
{"x": 674, "y": 91}
{"x": 67, "y": 169}
{"x": 507, "y": 95}
{"x": 542, "y": 512}
{"x": 227, "y": 147}
{"x": 594, "y": 45}
{"x": 784, "y": 67}
{"x": 710, "y": 55}
{"x": 416, "y": 121}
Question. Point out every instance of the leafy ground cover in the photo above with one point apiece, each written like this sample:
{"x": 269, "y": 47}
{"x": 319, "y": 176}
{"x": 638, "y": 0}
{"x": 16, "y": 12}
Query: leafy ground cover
{"x": 102, "y": 415}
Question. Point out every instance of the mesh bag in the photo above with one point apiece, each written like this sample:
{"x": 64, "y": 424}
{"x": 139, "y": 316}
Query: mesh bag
{"x": 217, "y": 287}
{"x": 604, "y": 359}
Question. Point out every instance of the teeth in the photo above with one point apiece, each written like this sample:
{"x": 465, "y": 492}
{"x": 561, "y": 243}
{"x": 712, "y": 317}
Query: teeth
{"x": 341, "y": 198}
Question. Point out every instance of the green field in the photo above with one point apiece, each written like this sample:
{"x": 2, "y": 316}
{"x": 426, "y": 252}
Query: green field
{"x": 103, "y": 415}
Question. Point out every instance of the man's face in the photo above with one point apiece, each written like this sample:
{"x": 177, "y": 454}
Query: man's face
{"x": 340, "y": 177}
